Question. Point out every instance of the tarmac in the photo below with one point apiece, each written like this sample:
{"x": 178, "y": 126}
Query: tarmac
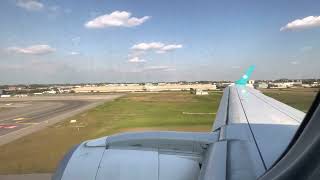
{"x": 22, "y": 116}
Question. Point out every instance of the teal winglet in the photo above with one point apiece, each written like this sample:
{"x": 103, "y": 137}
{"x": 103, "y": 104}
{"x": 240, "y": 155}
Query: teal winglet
{"x": 244, "y": 79}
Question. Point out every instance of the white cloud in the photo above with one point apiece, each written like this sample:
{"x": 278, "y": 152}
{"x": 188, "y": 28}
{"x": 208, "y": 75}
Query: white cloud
{"x": 74, "y": 53}
{"x": 33, "y": 50}
{"x": 116, "y": 19}
{"x": 136, "y": 60}
{"x": 30, "y": 5}
{"x": 171, "y": 47}
{"x": 307, "y": 22}
{"x": 159, "y": 68}
{"x": 147, "y": 46}
{"x": 294, "y": 62}
{"x": 158, "y": 47}
{"x": 137, "y": 50}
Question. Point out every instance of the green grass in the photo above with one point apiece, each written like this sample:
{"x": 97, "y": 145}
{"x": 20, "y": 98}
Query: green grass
{"x": 299, "y": 98}
{"x": 41, "y": 151}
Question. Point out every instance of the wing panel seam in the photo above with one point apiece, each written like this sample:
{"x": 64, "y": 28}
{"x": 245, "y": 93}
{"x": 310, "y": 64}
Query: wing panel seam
{"x": 254, "y": 138}
{"x": 228, "y": 104}
{"x": 99, "y": 164}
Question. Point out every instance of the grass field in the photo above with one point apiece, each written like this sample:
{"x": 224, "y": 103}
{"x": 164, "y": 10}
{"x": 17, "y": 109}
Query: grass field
{"x": 41, "y": 151}
{"x": 299, "y": 98}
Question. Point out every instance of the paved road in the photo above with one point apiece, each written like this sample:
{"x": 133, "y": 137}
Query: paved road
{"x": 22, "y": 116}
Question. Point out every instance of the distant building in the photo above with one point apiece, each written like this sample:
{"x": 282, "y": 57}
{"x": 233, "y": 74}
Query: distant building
{"x": 65, "y": 91}
{"x": 5, "y": 96}
{"x": 155, "y": 87}
{"x": 315, "y": 84}
{"x": 297, "y": 83}
{"x": 251, "y": 82}
{"x": 261, "y": 85}
{"x": 306, "y": 85}
{"x": 281, "y": 85}
{"x": 201, "y": 92}
{"x": 222, "y": 85}
{"x": 20, "y": 88}
{"x": 20, "y": 95}
{"x": 12, "y": 88}
{"x": 309, "y": 85}
{"x": 287, "y": 84}
{"x": 50, "y": 92}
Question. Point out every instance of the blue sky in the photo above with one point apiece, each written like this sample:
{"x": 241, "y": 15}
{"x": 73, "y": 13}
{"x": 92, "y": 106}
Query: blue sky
{"x": 132, "y": 41}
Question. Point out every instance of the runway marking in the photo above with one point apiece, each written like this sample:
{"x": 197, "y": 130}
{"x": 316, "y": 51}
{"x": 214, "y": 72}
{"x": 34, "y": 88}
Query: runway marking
{"x": 7, "y": 126}
{"x": 73, "y": 121}
{"x": 19, "y": 119}
{"x": 19, "y": 122}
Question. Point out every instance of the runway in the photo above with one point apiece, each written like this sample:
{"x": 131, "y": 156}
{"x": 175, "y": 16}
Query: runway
{"x": 22, "y": 116}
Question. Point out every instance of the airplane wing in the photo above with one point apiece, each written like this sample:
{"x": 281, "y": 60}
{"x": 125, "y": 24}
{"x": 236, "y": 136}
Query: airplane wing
{"x": 257, "y": 130}
{"x": 250, "y": 133}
